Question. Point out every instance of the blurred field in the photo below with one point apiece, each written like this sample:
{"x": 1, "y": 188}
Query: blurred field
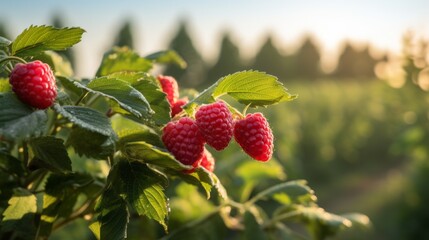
{"x": 362, "y": 146}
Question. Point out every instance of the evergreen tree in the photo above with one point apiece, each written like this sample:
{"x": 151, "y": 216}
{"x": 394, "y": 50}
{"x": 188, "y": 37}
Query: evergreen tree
{"x": 194, "y": 75}
{"x": 354, "y": 63}
{"x": 3, "y": 31}
{"x": 307, "y": 60}
{"x": 228, "y": 61}
{"x": 125, "y": 36}
{"x": 270, "y": 60}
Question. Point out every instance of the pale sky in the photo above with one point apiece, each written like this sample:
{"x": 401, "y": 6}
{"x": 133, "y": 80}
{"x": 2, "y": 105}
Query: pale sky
{"x": 379, "y": 22}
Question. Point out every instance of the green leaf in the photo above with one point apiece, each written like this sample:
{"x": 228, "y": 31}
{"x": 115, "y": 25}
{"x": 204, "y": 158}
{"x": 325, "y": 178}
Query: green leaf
{"x": 287, "y": 192}
{"x": 95, "y": 229}
{"x": 248, "y": 87}
{"x": 149, "y": 87}
{"x": 147, "y": 153}
{"x": 210, "y": 227}
{"x": 21, "y": 203}
{"x": 144, "y": 191}
{"x": 167, "y": 57}
{"x": 19, "y": 215}
{"x": 140, "y": 133}
{"x": 322, "y": 223}
{"x": 5, "y": 85}
{"x": 18, "y": 121}
{"x": 157, "y": 100}
{"x": 358, "y": 219}
{"x": 252, "y": 229}
{"x": 10, "y": 164}
{"x": 114, "y": 218}
{"x": 4, "y": 42}
{"x": 36, "y": 39}
{"x": 202, "y": 178}
{"x": 91, "y": 144}
{"x": 219, "y": 187}
{"x": 254, "y": 172}
{"x": 49, "y": 214}
{"x": 51, "y": 153}
{"x": 123, "y": 59}
{"x": 69, "y": 86}
{"x": 121, "y": 92}
{"x": 281, "y": 231}
{"x": 86, "y": 118}
{"x": 60, "y": 185}
{"x": 61, "y": 195}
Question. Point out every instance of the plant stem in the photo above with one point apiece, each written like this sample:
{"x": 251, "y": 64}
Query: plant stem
{"x": 25, "y": 153}
{"x": 38, "y": 180}
{"x": 245, "y": 109}
{"x": 12, "y": 58}
{"x": 80, "y": 212}
{"x": 82, "y": 96}
{"x": 194, "y": 223}
{"x": 280, "y": 217}
{"x": 201, "y": 220}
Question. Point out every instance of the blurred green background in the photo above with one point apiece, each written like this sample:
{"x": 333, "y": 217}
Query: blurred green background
{"x": 358, "y": 133}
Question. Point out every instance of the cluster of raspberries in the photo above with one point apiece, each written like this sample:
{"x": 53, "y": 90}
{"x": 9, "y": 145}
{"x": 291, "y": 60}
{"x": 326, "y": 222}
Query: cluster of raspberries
{"x": 34, "y": 84}
{"x": 213, "y": 124}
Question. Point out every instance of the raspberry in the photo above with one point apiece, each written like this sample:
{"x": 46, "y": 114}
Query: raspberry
{"x": 169, "y": 87}
{"x": 34, "y": 84}
{"x": 216, "y": 124}
{"x": 184, "y": 140}
{"x": 207, "y": 161}
{"x": 254, "y": 135}
{"x": 176, "y": 108}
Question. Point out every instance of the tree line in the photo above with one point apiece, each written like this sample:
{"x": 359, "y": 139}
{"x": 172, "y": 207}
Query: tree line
{"x": 304, "y": 64}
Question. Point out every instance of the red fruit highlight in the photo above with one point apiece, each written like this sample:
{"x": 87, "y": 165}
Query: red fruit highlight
{"x": 176, "y": 108}
{"x": 34, "y": 84}
{"x": 207, "y": 161}
{"x": 255, "y": 137}
{"x": 184, "y": 140}
{"x": 216, "y": 124}
{"x": 169, "y": 86}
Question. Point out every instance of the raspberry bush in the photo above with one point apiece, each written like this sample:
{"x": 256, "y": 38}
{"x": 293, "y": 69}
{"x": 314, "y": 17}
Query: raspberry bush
{"x": 123, "y": 147}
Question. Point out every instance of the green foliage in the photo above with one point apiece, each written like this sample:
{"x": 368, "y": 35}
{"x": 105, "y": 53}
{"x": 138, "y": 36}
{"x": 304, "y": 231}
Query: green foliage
{"x": 144, "y": 191}
{"x": 251, "y": 88}
{"x": 110, "y": 127}
{"x": 120, "y": 92}
{"x": 14, "y": 114}
{"x": 123, "y": 59}
{"x": 168, "y": 56}
{"x": 51, "y": 153}
{"x": 37, "y": 39}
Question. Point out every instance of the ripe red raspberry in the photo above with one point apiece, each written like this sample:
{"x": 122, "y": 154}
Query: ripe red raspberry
{"x": 169, "y": 87}
{"x": 207, "y": 161}
{"x": 184, "y": 140}
{"x": 176, "y": 108}
{"x": 216, "y": 124}
{"x": 254, "y": 135}
{"x": 34, "y": 84}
